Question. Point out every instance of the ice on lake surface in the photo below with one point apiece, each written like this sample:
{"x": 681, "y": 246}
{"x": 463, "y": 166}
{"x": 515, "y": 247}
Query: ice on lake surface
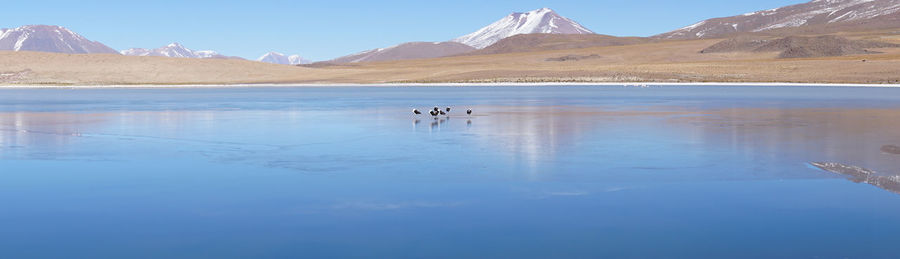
{"x": 533, "y": 172}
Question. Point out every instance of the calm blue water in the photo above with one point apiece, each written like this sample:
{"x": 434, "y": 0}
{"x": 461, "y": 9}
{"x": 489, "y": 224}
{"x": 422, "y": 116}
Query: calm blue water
{"x": 556, "y": 172}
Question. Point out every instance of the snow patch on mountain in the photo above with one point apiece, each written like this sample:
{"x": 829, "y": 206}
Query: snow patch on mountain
{"x": 542, "y": 20}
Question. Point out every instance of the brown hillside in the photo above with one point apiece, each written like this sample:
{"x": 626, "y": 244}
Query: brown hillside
{"x": 542, "y": 42}
{"x": 799, "y": 47}
{"x": 664, "y": 61}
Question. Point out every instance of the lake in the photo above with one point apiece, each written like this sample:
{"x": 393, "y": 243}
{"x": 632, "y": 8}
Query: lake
{"x": 561, "y": 172}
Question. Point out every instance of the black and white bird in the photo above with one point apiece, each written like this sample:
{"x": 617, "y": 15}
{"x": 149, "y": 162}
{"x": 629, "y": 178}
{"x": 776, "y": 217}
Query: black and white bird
{"x": 469, "y": 111}
{"x": 448, "y": 109}
{"x": 416, "y": 111}
{"x": 436, "y": 109}
{"x": 433, "y": 113}
{"x": 443, "y": 113}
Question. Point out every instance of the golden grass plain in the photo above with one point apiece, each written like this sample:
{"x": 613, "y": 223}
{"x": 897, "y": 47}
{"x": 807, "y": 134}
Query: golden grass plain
{"x": 668, "y": 61}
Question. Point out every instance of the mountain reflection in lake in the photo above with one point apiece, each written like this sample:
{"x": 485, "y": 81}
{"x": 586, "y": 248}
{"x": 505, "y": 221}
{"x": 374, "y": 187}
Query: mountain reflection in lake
{"x": 535, "y": 172}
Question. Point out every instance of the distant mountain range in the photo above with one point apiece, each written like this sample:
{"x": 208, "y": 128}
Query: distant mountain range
{"x": 282, "y": 59}
{"x": 49, "y": 38}
{"x": 820, "y": 15}
{"x": 541, "y": 29}
{"x": 173, "y": 50}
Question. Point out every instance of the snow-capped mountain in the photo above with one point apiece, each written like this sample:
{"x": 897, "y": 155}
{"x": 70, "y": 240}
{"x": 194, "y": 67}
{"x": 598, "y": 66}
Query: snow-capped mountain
{"x": 817, "y": 12}
{"x": 173, "y": 50}
{"x": 409, "y": 50}
{"x": 541, "y": 20}
{"x": 278, "y": 58}
{"x": 49, "y": 38}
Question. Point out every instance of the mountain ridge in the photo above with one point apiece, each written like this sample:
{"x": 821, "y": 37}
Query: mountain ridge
{"x": 49, "y": 38}
{"x": 816, "y": 13}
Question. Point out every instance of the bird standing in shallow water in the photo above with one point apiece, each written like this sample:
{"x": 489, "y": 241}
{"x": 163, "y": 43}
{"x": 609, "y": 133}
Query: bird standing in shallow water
{"x": 443, "y": 113}
{"x": 433, "y": 113}
{"x": 469, "y": 111}
{"x": 448, "y": 109}
{"x": 416, "y": 111}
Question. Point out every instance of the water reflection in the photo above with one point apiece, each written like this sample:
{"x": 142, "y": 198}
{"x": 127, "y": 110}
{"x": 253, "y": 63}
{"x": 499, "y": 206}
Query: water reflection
{"x": 852, "y": 136}
{"x": 540, "y": 141}
{"x": 536, "y": 141}
{"x": 92, "y": 136}
{"x": 19, "y": 131}
{"x": 304, "y": 171}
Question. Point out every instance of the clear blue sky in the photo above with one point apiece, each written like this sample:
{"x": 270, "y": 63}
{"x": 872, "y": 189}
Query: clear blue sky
{"x": 320, "y": 30}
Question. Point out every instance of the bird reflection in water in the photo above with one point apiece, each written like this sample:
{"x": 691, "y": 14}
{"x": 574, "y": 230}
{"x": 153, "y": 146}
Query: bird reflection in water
{"x": 436, "y": 124}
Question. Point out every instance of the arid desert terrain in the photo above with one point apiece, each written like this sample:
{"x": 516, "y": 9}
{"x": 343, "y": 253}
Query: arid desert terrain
{"x": 659, "y": 61}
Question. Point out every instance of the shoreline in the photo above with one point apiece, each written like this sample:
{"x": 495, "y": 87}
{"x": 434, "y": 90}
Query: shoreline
{"x": 560, "y": 84}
